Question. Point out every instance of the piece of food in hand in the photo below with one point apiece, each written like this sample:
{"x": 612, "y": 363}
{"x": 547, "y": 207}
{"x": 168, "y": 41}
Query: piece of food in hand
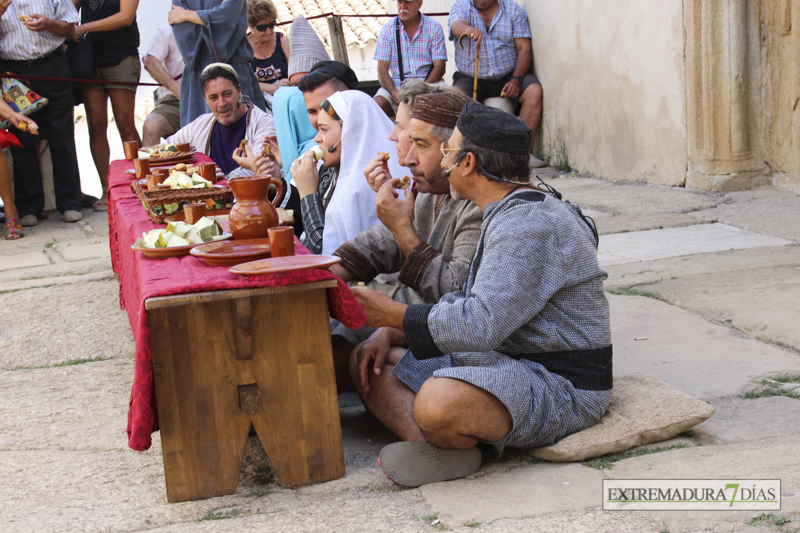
{"x": 266, "y": 150}
{"x": 318, "y": 153}
{"x": 385, "y": 155}
{"x": 405, "y": 181}
{"x": 243, "y": 145}
{"x": 362, "y": 285}
{"x": 503, "y": 94}
{"x": 24, "y": 126}
{"x": 25, "y": 18}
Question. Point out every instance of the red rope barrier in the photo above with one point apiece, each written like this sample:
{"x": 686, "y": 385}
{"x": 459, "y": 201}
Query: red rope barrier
{"x": 75, "y": 80}
{"x": 326, "y": 15}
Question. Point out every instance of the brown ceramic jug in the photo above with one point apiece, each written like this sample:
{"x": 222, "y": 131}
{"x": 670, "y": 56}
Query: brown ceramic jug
{"x": 252, "y": 214}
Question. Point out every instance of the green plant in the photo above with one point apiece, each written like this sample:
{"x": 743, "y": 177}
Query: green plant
{"x": 434, "y": 522}
{"x": 70, "y": 362}
{"x": 664, "y": 529}
{"x": 9, "y": 291}
{"x": 771, "y": 388}
{"x": 51, "y": 244}
{"x": 472, "y": 523}
{"x": 774, "y": 522}
{"x": 630, "y": 291}
{"x": 217, "y": 514}
{"x": 604, "y": 462}
{"x": 554, "y": 151}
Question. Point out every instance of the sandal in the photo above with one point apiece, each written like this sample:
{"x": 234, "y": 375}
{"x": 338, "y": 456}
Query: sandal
{"x": 13, "y": 229}
{"x": 100, "y": 205}
{"x": 414, "y": 463}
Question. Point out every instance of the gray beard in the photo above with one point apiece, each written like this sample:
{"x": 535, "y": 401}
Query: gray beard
{"x": 453, "y": 193}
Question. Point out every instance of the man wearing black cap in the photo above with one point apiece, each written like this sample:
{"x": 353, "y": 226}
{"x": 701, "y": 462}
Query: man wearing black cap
{"x": 520, "y": 357}
{"x": 325, "y": 79}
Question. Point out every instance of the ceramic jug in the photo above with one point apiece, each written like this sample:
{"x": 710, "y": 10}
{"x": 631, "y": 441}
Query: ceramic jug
{"x": 252, "y": 214}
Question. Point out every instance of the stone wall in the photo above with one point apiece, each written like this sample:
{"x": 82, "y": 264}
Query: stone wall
{"x": 614, "y": 83}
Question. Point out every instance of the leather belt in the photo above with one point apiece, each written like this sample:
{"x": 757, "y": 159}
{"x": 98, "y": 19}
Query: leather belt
{"x": 58, "y": 52}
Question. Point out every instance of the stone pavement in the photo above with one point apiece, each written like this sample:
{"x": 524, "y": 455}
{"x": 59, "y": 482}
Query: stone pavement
{"x": 706, "y": 290}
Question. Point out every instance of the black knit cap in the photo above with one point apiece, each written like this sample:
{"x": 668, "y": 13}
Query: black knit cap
{"x": 338, "y": 70}
{"x": 494, "y": 129}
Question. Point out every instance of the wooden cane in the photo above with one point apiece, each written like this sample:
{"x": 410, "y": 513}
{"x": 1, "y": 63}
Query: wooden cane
{"x": 477, "y": 63}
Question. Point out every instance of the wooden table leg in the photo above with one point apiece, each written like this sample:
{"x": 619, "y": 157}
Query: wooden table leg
{"x": 220, "y": 365}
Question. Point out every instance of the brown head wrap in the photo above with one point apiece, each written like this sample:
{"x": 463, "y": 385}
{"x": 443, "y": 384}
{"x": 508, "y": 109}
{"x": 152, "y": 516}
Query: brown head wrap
{"x": 440, "y": 109}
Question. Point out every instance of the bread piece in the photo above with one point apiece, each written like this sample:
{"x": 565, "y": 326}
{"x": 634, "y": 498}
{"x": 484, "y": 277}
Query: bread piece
{"x": 243, "y": 145}
{"x": 385, "y": 155}
{"x": 25, "y": 18}
{"x": 266, "y": 150}
{"x": 362, "y": 285}
{"x": 24, "y": 126}
{"x": 405, "y": 181}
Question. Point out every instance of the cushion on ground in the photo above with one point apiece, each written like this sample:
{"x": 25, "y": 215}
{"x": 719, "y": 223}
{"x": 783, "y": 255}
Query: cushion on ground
{"x": 643, "y": 410}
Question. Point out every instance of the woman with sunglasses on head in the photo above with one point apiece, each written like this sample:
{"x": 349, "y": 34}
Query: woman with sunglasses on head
{"x": 270, "y": 48}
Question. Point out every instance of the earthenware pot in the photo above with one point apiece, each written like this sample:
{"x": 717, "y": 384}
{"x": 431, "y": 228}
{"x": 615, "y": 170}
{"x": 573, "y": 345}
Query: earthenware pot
{"x": 252, "y": 214}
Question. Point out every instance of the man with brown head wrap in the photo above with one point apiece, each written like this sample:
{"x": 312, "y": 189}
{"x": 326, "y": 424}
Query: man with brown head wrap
{"x": 429, "y": 240}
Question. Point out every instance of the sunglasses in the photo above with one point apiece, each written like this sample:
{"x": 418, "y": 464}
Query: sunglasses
{"x": 263, "y": 27}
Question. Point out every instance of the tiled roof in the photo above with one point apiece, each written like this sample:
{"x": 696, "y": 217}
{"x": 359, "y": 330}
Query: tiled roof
{"x": 357, "y": 31}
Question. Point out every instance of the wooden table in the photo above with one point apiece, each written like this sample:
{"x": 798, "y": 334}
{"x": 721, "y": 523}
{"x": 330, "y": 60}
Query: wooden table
{"x": 216, "y": 352}
{"x": 224, "y": 360}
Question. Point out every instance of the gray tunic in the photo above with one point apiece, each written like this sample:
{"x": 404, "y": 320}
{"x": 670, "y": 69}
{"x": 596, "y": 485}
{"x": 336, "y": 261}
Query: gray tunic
{"x": 449, "y": 229}
{"x": 534, "y": 286}
{"x": 225, "y": 34}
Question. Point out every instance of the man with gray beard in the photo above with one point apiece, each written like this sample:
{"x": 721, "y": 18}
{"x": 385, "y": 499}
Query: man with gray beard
{"x": 428, "y": 240}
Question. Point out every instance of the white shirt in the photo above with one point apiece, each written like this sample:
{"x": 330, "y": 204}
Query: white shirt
{"x": 18, "y": 43}
{"x": 165, "y": 49}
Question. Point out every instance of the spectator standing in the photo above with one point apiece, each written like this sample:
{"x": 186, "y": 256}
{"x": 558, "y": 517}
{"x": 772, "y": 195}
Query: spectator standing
{"x": 419, "y": 53}
{"x": 114, "y": 36}
{"x": 13, "y": 229}
{"x": 506, "y": 65}
{"x": 164, "y": 63}
{"x": 270, "y": 47}
{"x": 34, "y": 49}
{"x": 212, "y": 31}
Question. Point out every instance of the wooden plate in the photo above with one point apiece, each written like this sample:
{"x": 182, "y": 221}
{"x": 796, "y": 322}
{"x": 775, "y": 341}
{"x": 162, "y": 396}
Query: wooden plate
{"x": 174, "y": 159}
{"x": 174, "y": 251}
{"x": 274, "y": 265}
{"x": 232, "y": 252}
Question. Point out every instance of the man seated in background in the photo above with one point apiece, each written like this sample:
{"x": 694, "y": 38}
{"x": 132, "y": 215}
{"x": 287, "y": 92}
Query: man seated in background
{"x": 420, "y": 52}
{"x": 219, "y": 133}
{"x": 521, "y": 355}
{"x": 429, "y": 240}
{"x": 506, "y": 62}
{"x": 164, "y": 63}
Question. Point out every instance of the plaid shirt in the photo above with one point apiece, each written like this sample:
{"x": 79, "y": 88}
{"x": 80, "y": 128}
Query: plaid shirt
{"x": 419, "y": 53}
{"x": 498, "y": 52}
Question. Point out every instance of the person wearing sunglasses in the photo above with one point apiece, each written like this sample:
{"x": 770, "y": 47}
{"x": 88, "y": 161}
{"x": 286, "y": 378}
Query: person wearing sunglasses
{"x": 270, "y": 48}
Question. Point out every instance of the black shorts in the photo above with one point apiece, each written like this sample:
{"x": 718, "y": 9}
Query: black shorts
{"x": 490, "y": 88}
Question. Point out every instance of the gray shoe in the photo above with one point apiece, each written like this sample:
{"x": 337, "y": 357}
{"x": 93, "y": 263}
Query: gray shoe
{"x": 536, "y": 162}
{"x": 29, "y": 220}
{"x": 72, "y": 216}
{"x": 413, "y": 463}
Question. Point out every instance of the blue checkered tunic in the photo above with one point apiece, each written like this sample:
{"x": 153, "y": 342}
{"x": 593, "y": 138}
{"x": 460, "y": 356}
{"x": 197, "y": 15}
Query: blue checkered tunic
{"x": 534, "y": 286}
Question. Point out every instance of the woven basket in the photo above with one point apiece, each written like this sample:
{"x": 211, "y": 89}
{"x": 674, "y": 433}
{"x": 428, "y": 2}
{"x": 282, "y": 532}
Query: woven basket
{"x": 163, "y": 203}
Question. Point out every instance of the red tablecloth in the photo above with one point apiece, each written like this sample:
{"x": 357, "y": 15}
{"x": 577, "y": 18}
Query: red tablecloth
{"x": 141, "y": 278}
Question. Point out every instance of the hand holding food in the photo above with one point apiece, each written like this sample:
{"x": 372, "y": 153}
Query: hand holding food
{"x": 31, "y": 127}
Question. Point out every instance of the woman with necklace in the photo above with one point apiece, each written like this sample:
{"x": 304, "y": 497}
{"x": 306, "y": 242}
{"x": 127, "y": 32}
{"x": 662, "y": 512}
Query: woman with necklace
{"x": 270, "y": 48}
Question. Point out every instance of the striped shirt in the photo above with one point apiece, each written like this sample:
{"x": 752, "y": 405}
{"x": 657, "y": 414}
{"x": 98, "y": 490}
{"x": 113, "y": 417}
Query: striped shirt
{"x": 498, "y": 51}
{"x": 313, "y": 206}
{"x": 18, "y": 43}
{"x": 419, "y": 52}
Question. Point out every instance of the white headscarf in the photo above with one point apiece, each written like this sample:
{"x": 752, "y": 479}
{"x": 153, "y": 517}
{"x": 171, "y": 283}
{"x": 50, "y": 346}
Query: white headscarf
{"x": 365, "y": 132}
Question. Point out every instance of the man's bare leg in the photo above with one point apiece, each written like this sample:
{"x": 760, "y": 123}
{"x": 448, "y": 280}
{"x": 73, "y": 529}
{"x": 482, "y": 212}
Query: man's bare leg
{"x": 391, "y": 401}
{"x": 531, "y": 110}
{"x": 455, "y": 414}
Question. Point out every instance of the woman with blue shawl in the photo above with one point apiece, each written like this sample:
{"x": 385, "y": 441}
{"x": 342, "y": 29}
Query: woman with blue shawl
{"x": 209, "y": 31}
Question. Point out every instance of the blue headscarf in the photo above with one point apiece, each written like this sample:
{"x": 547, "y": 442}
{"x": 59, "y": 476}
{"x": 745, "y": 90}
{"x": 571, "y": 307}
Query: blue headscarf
{"x": 293, "y": 129}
